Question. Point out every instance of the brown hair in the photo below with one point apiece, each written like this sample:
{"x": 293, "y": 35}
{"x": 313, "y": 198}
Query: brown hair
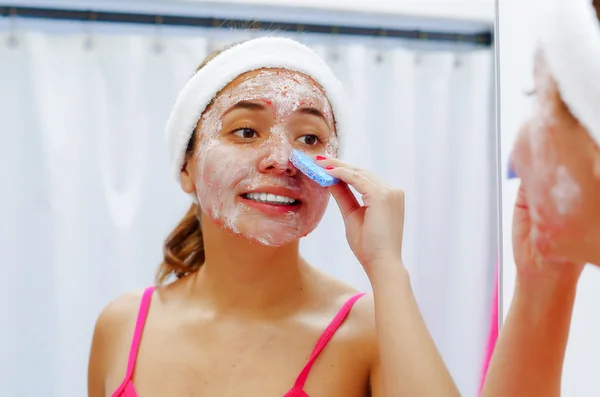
{"x": 184, "y": 247}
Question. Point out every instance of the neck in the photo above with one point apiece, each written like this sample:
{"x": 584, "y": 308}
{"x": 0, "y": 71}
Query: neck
{"x": 244, "y": 277}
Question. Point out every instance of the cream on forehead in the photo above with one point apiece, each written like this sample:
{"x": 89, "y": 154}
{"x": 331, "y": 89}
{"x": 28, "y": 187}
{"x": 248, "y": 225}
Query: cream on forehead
{"x": 286, "y": 91}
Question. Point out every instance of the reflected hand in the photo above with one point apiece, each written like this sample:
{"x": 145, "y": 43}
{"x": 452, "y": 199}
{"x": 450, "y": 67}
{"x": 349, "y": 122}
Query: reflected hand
{"x": 374, "y": 230}
{"x": 529, "y": 249}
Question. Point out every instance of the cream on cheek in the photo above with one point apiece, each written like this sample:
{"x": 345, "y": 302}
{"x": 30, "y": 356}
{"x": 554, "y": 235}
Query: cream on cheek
{"x": 565, "y": 192}
{"x": 226, "y": 170}
{"x": 551, "y": 189}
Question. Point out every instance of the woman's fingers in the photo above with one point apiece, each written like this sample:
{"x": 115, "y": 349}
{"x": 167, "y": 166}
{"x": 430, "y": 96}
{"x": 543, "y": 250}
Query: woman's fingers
{"x": 344, "y": 198}
{"x": 352, "y": 178}
{"x": 363, "y": 181}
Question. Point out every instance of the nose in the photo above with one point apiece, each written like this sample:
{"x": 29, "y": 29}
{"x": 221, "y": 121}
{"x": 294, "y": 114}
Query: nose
{"x": 277, "y": 162}
{"x": 521, "y": 154}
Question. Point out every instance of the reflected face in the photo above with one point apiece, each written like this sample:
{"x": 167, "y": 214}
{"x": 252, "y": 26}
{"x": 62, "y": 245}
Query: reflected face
{"x": 559, "y": 165}
{"x": 240, "y": 169}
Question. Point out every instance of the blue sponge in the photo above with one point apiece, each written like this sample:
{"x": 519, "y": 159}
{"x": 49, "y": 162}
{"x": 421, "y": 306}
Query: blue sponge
{"x": 308, "y": 167}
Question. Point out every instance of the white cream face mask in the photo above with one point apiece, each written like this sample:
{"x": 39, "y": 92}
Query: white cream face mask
{"x": 551, "y": 175}
{"x": 554, "y": 194}
{"x": 245, "y": 182}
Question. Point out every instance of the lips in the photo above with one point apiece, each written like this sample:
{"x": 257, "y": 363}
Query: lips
{"x": 271, "y": 198}
{"x": 275, "y": 195}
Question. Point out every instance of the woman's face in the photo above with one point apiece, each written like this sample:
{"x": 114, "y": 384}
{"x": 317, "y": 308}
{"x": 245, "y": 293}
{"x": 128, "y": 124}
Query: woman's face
{"x": 240, "y": 170}
{"x": 559, "y": 165}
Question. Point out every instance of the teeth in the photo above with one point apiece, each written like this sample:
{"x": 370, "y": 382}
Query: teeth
{"x": 270, "y": 198}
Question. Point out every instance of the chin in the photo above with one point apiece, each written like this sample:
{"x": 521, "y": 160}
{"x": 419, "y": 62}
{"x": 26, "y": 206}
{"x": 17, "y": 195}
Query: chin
{"x": 267, "y": 236}
{"x": 267, "y": 242}
{"x": 268, "y": 230}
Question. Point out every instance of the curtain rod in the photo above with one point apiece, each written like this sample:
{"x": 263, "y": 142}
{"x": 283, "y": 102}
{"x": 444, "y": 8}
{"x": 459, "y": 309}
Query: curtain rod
{"x": 483, "y": 39}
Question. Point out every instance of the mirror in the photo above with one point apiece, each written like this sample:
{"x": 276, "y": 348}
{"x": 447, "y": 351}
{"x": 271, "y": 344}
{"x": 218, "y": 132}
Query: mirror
{"x": 92, "y": 198}
{"x": 541, "y": 43}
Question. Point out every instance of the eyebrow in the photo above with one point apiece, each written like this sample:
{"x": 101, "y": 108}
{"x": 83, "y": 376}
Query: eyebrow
{"x": 249, "y": 105}
{"x": 313, "y": 112}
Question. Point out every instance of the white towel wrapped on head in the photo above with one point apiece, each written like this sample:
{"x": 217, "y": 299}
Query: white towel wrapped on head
{"x": 570, "y": 40}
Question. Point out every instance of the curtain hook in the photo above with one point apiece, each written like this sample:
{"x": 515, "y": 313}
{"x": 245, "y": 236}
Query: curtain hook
{"x": 254, "y": 29}
{"x": 12, "y": 40}
{"x": 300, "y": 32}
{"x": 89, "y": 40}
{"x": 457, "y": 60}
{"x": 158, "y": 39}
{"x": 418, "y": 58}
{"x": 334, "y": 50}
{"x": 211, "y": 44}
{"x": 381, "y": 36}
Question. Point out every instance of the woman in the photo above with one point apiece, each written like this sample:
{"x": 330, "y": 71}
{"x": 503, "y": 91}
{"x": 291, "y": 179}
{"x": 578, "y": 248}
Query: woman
{"x": 246, "y": 310}
{"x": 556, "y": 224}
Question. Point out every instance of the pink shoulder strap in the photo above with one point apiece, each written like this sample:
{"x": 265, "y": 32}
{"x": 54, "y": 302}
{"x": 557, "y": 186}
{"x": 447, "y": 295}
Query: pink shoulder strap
{"x": 139, "y": 328}
{"x": 324, "y": 339}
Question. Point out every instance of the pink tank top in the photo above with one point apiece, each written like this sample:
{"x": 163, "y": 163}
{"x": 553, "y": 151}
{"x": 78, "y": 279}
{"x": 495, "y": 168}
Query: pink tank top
{"x": 127, "y": 389}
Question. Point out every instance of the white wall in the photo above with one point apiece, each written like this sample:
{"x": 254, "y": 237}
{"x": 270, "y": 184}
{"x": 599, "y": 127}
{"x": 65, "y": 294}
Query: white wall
{"x": 455, "y": 16}
{"x": 516, "y": 46}
{"x": 476, "y": 10}
{"x": 469, "y": 10}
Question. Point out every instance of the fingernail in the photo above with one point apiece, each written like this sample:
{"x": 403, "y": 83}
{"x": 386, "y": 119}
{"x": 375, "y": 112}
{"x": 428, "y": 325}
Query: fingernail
{"x": 329, "y": 167}
{"x": 319, "y": 158}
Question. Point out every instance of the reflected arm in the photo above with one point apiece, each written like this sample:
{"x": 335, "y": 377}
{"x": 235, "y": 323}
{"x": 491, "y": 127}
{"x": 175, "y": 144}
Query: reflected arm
{"x": 529, "y": 354}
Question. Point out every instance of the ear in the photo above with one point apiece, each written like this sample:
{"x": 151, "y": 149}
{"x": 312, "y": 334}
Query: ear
{"x": 187, "y": 179}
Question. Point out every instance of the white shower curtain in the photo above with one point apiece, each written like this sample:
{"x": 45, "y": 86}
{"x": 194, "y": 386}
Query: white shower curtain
{"x": 88, "y": 196}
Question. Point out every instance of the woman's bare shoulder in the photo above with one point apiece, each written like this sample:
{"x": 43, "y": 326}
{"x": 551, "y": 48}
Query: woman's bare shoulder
{"x": 114, "y": 326}
{"x": 358, "y": 329}
{"x": 120, "y": 313}
{"x": 361, "y": 318}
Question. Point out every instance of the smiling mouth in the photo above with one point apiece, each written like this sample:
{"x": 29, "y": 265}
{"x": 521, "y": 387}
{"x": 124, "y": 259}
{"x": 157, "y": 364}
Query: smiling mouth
{"x": 270, "y": 198}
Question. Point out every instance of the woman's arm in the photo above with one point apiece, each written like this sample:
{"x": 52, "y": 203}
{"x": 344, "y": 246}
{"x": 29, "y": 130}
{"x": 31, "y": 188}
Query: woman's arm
{"x": 409, "y": 362}
{"x": 529, "y": 354}
{"x": 112, "y": 333}
{"x": 97, "y": 359}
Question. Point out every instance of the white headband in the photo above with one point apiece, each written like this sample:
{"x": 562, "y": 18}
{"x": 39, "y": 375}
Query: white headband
{"x": 570, "y": 40}
{"x": 264, "y": 52}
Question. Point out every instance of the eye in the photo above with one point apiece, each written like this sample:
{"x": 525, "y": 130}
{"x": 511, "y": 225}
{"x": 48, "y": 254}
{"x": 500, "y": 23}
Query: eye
{"x": 310, "y": 140}
{"x": 246, "y": 133}
{"x": 529, "y": 92}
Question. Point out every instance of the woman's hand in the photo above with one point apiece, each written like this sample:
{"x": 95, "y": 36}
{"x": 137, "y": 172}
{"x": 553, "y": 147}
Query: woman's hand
{"x": 374, "y": 230}
{"x": 408, "y": 362}
{"x": 529, "y": 249}
{"x": 529, "y": 354}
